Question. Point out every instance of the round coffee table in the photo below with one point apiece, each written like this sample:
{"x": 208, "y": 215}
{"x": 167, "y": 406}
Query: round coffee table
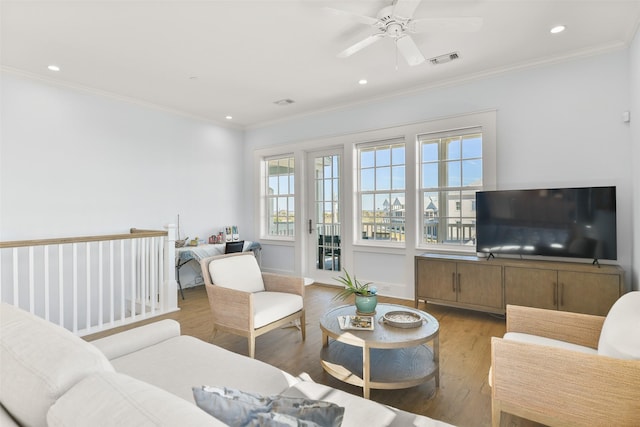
{"x": 387, "y": 357}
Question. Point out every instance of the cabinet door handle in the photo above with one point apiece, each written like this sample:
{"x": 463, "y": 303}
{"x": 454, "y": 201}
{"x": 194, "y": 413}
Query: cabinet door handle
{"x": 453, "y": 281}
{"x": 555, "y": 293}
{"x": 561, "y": 294}
{"x": 459, "y": 287}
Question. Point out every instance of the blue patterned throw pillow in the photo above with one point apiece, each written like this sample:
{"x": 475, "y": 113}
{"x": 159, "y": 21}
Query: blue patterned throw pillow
{"x": 242, "y": 409}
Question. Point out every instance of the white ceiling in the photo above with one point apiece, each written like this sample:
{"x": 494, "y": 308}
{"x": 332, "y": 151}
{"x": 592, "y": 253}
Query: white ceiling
{"x": 215, "y": 58}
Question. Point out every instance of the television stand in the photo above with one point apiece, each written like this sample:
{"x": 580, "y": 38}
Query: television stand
{"x": 489, "y": 284}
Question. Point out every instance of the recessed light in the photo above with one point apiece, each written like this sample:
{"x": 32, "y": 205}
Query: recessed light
{"x": 558, "y": 29}
{"x": 53, "y": 67}
{"x": 228, "y": 117}
{"x": 362, "y": 82}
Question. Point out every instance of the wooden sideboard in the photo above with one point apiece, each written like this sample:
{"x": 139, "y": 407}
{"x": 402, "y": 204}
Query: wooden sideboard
{"x": 490, "y": 284}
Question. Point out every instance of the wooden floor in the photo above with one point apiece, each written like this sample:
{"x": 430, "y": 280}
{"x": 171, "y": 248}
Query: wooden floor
{"x": 463, "y": 398}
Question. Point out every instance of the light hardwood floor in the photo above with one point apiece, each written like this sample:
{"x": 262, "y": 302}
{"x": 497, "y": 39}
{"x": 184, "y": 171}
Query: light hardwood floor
{"x": 463, "y": 398}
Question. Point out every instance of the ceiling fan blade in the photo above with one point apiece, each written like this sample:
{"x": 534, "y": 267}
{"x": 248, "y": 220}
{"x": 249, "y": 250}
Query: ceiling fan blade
{"x": 360, "y": 45}
{"x": 368, "y": 20}
{"x": 409, "y": 50}
{"x": 463, "y": 25}
{"x": 405, "y": 8}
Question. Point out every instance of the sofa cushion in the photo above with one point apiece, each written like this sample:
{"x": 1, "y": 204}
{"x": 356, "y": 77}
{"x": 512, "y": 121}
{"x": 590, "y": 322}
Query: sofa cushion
{"x": 112, "y": 399}
{"x": 271, "y": 306}
{"x": 178, "y": 364}
{"x": 239, "y": 272}
{"x": 238, "y": 408}
{"x": 619, "y": 337}
{"x": 359, "y": 411}
{"x": 40, "y": 362}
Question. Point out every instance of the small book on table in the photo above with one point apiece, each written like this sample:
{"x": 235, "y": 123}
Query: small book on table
{"x": 363, "y": 323}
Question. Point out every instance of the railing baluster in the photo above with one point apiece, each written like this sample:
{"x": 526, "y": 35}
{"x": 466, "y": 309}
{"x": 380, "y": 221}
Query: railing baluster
{"x": 75, "y": 287}
{"x": 16, "y": 288}
{"x": 61, "y": 285}
{"x": 122, "y": 299}
{"x": 100, "y": 285}
{"x": 112, "y": 305}
{"x": 133, "y": 279}
{"x": 47, "y": 299}
{"x": 87, "y": 322}
{"x": 143, "y": 276}
{"x": 32, "y": 285}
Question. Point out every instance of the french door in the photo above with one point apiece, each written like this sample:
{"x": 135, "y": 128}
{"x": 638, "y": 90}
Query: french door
{"x": 324, "y": 224}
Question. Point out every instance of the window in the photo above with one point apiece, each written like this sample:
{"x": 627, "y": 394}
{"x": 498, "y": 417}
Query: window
{"x": 280, "y": 196}
{"x": 381, "y": 190}
{"x": 450, "y": 174}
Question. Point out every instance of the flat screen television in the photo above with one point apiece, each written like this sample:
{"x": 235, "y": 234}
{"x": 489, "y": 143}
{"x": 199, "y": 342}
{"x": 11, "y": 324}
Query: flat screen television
{"x": 555, "y": 222}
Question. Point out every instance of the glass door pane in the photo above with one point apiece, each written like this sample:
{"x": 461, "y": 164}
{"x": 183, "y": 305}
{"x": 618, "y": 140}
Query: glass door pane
{"x": 326, "y": 201}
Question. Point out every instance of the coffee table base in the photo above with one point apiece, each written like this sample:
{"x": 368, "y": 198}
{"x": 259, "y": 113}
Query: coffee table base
{"x": 389, "y": 368}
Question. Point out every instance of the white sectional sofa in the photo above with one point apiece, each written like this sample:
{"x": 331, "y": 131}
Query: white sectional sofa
{"x": 142, "y": 377}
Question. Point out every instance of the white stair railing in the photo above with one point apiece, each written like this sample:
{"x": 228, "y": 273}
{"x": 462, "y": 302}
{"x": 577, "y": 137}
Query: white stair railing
{"x": 90, "y": 284}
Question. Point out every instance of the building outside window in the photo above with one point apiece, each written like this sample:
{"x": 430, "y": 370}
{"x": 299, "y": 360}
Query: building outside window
{"x": 450, "y": 175}
{"x": 280, "y": 196}
{"x": 381, "y": 190}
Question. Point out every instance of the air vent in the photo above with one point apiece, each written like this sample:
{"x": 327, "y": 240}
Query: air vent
{"x": 444, "y": 58}
{"x": 284, "y": 102}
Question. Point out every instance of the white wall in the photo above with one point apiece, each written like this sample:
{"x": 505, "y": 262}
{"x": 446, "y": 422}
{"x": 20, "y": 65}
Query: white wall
{"x": 558, "y": 125}
{"x": 75, "y": 163}
{"x": 634, "y": 72}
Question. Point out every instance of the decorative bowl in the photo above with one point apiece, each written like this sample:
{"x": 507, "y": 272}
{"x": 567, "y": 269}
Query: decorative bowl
{"x": 402, "y": 319}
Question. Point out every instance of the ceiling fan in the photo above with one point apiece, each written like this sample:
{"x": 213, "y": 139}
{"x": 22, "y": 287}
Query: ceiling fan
{"x": 396, "y": 22}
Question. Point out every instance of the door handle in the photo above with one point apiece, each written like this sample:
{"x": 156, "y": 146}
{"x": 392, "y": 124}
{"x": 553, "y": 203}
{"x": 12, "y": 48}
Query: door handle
{"x": 555, "y": 293}
{"x": 459, "y": 287}
{"x": 561, "y": 294}
{"x": 310, "y": 227}
{"x": 453, "y": 281}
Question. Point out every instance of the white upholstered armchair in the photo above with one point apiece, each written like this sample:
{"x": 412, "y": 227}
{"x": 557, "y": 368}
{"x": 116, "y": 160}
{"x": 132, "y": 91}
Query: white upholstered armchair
{"x": 247, "y": 302}
{"x": 560, "y": 368}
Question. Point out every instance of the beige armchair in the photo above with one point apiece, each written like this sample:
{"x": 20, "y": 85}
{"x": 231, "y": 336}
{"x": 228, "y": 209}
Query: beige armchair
{"x": 246, "y": 302}
{"x": 559, "y": 368}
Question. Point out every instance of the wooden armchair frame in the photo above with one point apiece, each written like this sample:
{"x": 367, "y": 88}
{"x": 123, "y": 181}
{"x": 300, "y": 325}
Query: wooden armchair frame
{"x": 560, "y": 387}
{"x": 232, "y": 310}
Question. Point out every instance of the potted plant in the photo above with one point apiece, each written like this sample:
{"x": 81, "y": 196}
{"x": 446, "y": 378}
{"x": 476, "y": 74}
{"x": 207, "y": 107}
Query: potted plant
{"x": 366, "y": 297}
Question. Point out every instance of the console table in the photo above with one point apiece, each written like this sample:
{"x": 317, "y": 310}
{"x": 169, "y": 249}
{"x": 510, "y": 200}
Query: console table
{"x": 490, "y": 284}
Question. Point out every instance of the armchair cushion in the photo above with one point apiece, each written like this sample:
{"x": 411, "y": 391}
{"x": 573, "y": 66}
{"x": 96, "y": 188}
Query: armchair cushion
{"x": 240, "y": 272}
{"x": 535, "y": 339}
{"x": 619, "y": 337}
{"x": 272, "y": 306}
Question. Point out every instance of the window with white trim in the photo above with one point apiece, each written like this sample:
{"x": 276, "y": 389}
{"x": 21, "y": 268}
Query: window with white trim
{"x": 381, "y": 190}
{"x": 279, "y": 196}
{"x": 450, "y": 174}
